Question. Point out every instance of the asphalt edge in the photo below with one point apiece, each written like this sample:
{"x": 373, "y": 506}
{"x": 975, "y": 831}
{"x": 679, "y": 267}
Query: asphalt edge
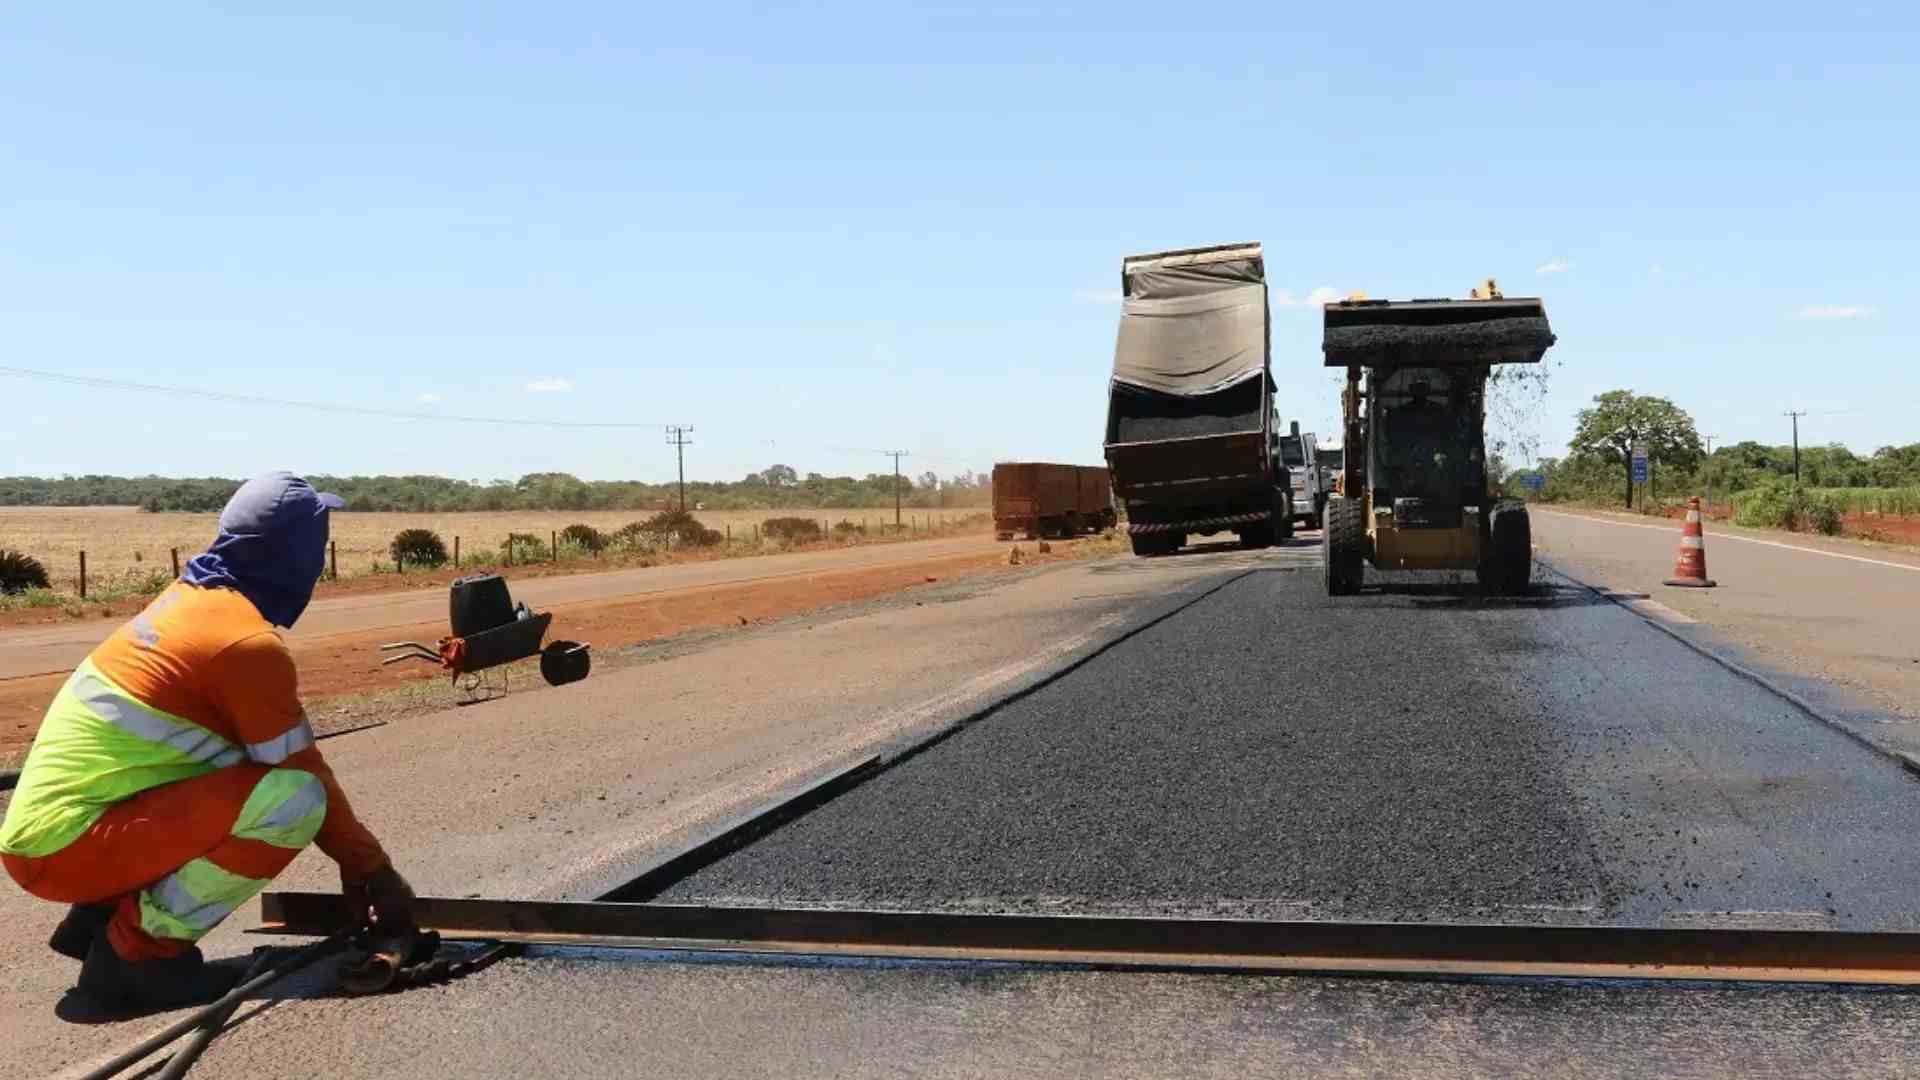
{"x": 1903, "y": 758}
{"x": 832, "y": 781}
{"x": 900, "y": 751}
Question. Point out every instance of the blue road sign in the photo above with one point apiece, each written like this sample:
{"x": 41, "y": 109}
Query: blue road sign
{"x": 1533, "y": 481}
{"x": 1639, "y": 464}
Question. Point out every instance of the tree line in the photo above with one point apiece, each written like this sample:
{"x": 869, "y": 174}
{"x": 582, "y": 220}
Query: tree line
{"x": 777, "y": 487}
{"x": 1599, "y": 462}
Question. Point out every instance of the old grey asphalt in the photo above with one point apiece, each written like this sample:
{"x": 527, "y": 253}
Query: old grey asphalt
{"x": 1825, "y": 608}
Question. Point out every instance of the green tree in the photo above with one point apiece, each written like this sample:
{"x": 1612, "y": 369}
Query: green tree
{"x": 1621, "y": 418}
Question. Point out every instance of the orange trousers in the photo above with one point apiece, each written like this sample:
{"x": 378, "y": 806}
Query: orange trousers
{"x": 145, "y": 838}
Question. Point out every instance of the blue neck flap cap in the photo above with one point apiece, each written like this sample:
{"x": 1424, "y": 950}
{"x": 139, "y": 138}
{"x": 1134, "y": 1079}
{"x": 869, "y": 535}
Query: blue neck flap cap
{"x": 272, "y": 545}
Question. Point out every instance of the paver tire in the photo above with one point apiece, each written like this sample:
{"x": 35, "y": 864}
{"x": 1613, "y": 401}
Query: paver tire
{"x": 1343, "y": 546}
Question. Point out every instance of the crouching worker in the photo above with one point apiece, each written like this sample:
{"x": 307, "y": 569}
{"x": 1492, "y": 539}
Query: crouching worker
{"x": 175, "y": 773}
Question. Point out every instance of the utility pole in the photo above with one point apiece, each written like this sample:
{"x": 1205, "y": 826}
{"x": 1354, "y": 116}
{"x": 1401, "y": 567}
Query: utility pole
{"x": 1708, "y": 469}
{"x": 1796, "y": 445}
{"x": 677, "y": 438}
{"x": 896, "y": 455}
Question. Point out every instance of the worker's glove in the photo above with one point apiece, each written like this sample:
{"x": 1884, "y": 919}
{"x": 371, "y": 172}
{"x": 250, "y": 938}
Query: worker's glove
{"x": 383, "y": 893}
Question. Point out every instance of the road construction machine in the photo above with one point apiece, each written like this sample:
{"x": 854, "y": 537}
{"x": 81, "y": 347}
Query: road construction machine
{"x": 1190, "y": 413}
{"x": 1414, "y": 491}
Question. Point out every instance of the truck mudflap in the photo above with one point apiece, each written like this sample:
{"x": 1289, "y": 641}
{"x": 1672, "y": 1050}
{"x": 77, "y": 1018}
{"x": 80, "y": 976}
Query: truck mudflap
{"x": 1196, "y": 525}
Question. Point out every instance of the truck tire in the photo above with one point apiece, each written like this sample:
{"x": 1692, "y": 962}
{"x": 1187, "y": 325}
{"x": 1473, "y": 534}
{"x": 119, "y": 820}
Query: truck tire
{"x": 1343, "y": 547}
{"x": 1072, "y": 527}
{"x": 1283, "y": 517}
{"x": 1506, "y": 566}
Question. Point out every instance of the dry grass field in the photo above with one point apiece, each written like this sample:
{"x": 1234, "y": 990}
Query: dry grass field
{"x": 121, "y": 541}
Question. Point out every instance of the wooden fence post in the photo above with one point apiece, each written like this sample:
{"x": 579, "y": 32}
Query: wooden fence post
{"x": 729, "y": 534}
{"x": 174, "y": 554}
{"x": 509, "y": 549}
{"x": 456, "y": 553}
{"x": 83, "y": 575}
{"x": 333, "y": 558}
{"x": 553, "y": 545}
{"x": 756, "y": 536}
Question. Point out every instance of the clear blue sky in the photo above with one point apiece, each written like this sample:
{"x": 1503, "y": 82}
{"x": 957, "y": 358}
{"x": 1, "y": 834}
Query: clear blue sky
{"x": 845, "y": 228}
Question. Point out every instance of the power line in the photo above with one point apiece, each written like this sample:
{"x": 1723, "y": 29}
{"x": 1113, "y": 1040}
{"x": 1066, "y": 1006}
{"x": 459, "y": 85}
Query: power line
{"x": 315, "y": 406}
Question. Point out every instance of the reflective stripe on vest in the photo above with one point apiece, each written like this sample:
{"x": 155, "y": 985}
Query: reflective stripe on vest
{"x": 285, "y": 809}
{"x": 283, "y": 746}
{"x": 193, "y": 899}
{"x": 135, "y": 717}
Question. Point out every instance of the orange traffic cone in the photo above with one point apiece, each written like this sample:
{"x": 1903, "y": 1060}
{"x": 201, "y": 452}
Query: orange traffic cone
{"x": 1690, "y": 569}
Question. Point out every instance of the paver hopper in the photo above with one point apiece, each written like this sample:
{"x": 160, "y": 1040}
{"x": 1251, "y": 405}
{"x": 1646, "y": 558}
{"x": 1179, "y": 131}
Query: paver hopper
{"x": 1414, "y": 492}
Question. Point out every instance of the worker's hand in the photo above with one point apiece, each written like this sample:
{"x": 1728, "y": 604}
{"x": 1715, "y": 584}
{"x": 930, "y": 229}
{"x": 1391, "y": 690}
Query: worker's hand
{"x": 384, "y": 894}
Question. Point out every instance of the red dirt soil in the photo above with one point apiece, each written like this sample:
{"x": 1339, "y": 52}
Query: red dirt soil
{"x": 344, "y": 665}
{"x": 362, "y": 584}
{"x": 1859, "y": 525}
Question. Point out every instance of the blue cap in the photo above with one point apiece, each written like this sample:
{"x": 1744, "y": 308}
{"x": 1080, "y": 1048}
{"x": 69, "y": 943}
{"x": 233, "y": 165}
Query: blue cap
{"x": 272, "y": 501}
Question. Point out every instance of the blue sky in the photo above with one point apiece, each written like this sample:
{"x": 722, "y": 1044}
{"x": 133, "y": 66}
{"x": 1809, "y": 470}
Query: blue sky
{"x": 817, "y": 233}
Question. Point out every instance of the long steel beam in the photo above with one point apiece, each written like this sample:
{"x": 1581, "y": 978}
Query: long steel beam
{"x": 1398, "y": 948}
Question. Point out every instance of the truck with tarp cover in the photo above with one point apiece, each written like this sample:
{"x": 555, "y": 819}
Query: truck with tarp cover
{"x": 1190, "y": 419}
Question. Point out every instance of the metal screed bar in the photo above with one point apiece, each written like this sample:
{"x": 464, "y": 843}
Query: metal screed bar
{"x": 1383, "y": 948}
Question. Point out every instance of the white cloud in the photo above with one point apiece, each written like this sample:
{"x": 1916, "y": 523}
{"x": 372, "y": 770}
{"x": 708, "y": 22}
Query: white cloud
{"x": 548, "y": 384}
{"x": 1835, "y": 311}
{"x": 1553, "y": 266}
{"x": 1097, "y": 296}
{"x": 1325, "y": 294}
{"x": 428, "y": 398}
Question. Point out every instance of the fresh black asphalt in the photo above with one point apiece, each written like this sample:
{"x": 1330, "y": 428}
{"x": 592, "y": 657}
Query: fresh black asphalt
{"x": 1414, "y": 753}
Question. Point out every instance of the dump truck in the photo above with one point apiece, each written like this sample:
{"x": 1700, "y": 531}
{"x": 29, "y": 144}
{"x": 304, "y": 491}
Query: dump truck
{"x": 1414, "y": 492}
{"x": 1039, "y": 499}
{"x": 1190, "y": 419}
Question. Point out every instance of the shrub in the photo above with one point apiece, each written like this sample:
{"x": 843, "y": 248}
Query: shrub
{"x": 523, "y": 547}
{"x": 848, "y": 528}
{"x": 1823, "y": 513}
{"x": 418, "y": 547}
{"x": 585, "y": 537}
{"x": 791, "y": 530}
{"x": 634, "y": 537}
{"x": 20, "y": 572}
{"x": 1770, "y": 504}
{"x": 683, "y": 529}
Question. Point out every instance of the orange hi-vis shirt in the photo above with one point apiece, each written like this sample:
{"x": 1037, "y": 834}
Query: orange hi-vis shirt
{"x": 197, "y": 681}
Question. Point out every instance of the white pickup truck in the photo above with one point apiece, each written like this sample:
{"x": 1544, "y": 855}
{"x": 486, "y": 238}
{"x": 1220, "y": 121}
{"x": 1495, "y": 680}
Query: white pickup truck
{"x": 1299, "y": 453}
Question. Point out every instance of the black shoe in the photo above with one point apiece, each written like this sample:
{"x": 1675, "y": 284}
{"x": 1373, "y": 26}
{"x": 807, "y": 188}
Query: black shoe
{"x": 171, "y": 983}
{"x": 75, "y": 934}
